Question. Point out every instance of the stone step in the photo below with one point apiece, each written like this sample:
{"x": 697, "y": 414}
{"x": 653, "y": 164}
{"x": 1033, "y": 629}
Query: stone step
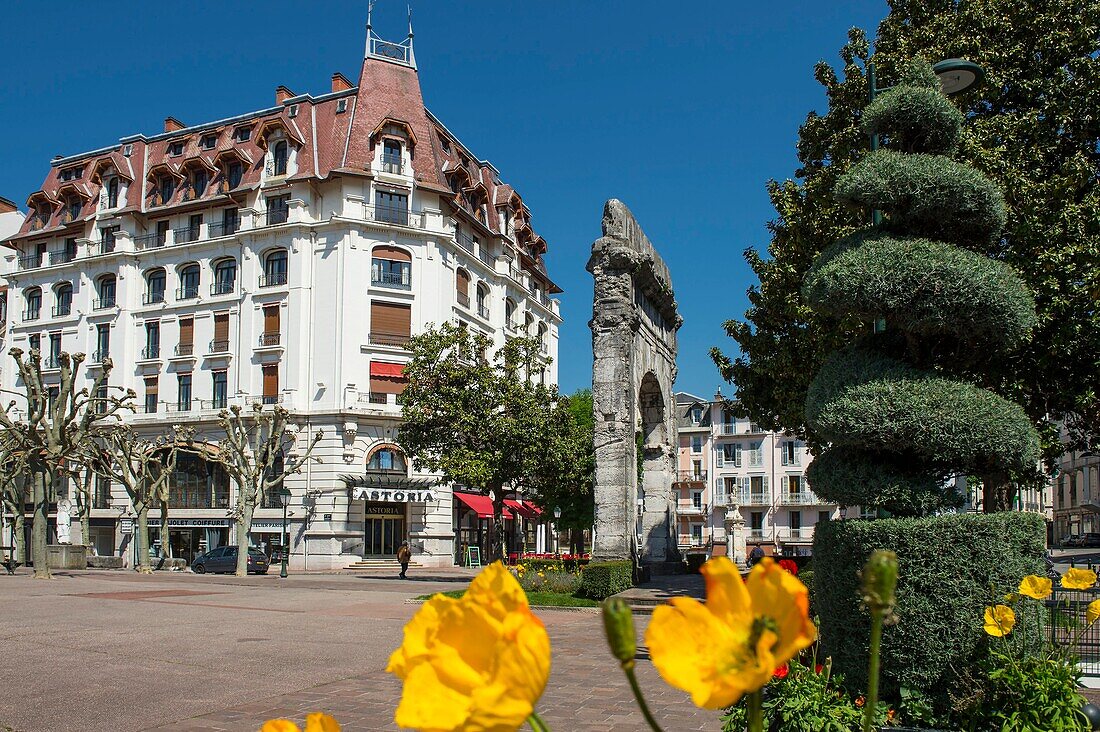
{"x": 379, "y": 564}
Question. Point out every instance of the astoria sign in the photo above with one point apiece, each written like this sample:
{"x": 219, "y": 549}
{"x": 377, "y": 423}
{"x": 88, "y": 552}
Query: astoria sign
{"x": 395, "y": 496}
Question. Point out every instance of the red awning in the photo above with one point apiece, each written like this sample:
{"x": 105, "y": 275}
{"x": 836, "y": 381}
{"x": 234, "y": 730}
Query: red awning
{"x": 527, "y": 510}
{"x": 388, "y": 370}
{"x": 481, "y": 505}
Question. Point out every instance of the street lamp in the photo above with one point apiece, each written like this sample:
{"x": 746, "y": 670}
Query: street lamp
{"x": 284, "y": 498}
{"x": 557, "y": 534}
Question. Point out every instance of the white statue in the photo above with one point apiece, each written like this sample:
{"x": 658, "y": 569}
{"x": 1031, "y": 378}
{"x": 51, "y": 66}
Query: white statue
{"x": 64, "y": 521}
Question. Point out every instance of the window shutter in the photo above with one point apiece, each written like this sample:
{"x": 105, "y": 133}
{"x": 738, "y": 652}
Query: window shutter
{"x": 152, "y": 386}
{"x": 783, "y": 460}
{"x": 766, "y": 491}
{"x": 719, "y": 458}
{"x": 221, "y": 326}
{"x": 271, "y": 379}
{"x": 391, "y": 253}
{"x": 390, "y": 319}
{"x": 462, "y": 282}
{"x": 737, "y": 455}
{"x": 271, "y": 319}
{"x": 187, "y": 331}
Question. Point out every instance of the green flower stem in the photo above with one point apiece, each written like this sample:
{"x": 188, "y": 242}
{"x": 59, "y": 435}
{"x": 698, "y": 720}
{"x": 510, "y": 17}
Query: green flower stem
{"x": 628, "y": 669}
{"x": 538, "y": 724}
{"x": 872, "y": 672}
{"x": 755, "y": 702}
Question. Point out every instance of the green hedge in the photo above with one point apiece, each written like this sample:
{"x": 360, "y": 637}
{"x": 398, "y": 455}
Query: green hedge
{"x": 600, "y": 580}
{"x": 850, "y": 476}
{"x": 947, "y": 565}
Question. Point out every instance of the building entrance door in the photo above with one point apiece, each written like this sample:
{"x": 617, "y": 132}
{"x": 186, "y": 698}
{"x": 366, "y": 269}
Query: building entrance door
{"x": 383, "y": 536}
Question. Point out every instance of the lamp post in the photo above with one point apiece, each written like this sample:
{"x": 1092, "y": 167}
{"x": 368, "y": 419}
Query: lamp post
{"x": 284, "y": 498}
{"x": 557, "y": 535}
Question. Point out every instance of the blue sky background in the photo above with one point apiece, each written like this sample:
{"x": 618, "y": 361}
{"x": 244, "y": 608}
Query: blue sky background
{"x": 682, "y": 111}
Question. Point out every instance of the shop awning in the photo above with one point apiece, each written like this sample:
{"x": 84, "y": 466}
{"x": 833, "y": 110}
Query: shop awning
{"x": 387, "y": 370}
{"x": 481, "y": 505}
{"x": 527, "y": 510}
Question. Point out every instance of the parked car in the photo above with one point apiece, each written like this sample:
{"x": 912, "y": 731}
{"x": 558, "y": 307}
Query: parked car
{"x": 1073, "y": 540}
{"x": 224, "y": 559}
{"x": 1090, "y": 539}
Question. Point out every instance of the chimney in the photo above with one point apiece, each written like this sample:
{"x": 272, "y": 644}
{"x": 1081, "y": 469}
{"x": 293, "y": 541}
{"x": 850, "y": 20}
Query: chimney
{"x": 7, "y": 206}
{"x": 340, "y": 82}
{"x": 171, "y": 124}
{"x": 282, "y": 94}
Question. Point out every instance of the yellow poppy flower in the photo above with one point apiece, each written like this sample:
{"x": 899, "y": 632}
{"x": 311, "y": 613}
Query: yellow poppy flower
{"x": 316, "y": 722}
{"x": 1092, "y": 612}
{"x": 1078, "y": 579}
{"x": 477, "y": 663}
{"x": 732, "y": 644}
{"x": 1036, "y": 587}
{"x": 999, "y": 620}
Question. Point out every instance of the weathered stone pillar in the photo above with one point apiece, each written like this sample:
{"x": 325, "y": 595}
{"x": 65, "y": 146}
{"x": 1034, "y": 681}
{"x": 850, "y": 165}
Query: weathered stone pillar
{"x": 634, "y": 323}
{"x": 736, "y": 546}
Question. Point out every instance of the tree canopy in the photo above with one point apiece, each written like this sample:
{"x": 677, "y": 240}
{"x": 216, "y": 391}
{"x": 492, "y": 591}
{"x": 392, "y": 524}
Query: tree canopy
{"x": 1031, "y": 128}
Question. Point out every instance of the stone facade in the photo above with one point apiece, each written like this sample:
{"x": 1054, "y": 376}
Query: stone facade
{"x": 634, "y": 324}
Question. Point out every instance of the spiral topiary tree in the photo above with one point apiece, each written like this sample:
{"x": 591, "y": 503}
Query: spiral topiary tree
{"x": 900, "y": 408}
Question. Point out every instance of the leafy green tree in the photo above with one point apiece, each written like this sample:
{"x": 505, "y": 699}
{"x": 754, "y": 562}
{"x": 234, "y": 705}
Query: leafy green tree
{"x": 569, "y": 476}
{"x": 479, "y": 417}
{"x": 1031, "y": 128}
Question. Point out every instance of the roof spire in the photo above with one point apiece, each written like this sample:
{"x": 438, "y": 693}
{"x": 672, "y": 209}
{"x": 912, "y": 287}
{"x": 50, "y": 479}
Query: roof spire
{"x": 370, "y": 9}
{"x": 412, "y": 56}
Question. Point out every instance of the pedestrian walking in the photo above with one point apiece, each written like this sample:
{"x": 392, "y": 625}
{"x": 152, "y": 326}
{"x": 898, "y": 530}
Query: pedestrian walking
{"x": 756, "y": 555}
{"x": 404, "y": 554}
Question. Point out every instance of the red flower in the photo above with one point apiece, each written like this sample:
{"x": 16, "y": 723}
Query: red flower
{"x": 818, "y": 668}
{"x": 781, "y": 672}
{"x": 789, "y": 565}
{"x": 860, "y": 701}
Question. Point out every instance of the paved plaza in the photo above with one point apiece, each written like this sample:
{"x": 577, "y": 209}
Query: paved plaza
{"x": 175, "y": 651}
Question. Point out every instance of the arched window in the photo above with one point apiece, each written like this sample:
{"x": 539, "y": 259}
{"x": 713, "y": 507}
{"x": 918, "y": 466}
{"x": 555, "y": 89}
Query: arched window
{"x": 105, "y": 288}
{"x": 391, "y": 267}
{"x": 154, "y": 286}
{"x": 462, "y": 287}
{"x": 544, "y": 343}
{"x": 32, "y": 296}
{"x": 528, "y": 321}
{"x": 225, "y": 277}
{"x": 189, "y": 282}
{"x": 510, "y": 313}
{"x": 387, "y": 460}
{"x": 275, "y": 268}
{"x": 63, "y": 294}
{"x": 483, "y": 301}
{"x": 278, "y": 157}
{"x": 112, "y": 192}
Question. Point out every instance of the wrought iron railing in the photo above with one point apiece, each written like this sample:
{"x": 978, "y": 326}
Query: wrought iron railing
{"x": 273, "y": 279}
{"x": 269, "y": 339}
{"x": 62, "y": 310}
{"x": 185, "y": 349}
{"x": 103, "y": 303}
{"x": 397, "y": 340}
{"x": 151, "y": 298}
{"x": 185, "y": 234}
{"x": 219, "y": 346}
{"x": 692, "y": 476}
{"x": 150, "y": 352}
{"x": 30, "y": 261}
{"x": 398, "y": 280}
{"x": 188, "y": 292}
{"x": 222, "y": 288}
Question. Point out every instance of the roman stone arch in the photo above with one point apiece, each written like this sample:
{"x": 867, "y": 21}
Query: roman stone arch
{"x": 634, "y": 324}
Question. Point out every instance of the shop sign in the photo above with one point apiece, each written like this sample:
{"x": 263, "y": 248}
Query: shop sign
{"x": 269, "y": 525}
{"x": 385, "y": 509}
{"x": 126, "y": 526}
{"x": 395, "y": 496}
{"x": 189, "y": 523}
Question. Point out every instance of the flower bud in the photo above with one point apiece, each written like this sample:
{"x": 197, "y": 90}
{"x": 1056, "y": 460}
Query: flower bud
{"x": 880, "y": 579}
{"x": 618, "y": 624}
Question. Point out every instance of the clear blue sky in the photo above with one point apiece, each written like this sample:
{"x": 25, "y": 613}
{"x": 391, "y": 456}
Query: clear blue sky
{"x": 683, "y": 111}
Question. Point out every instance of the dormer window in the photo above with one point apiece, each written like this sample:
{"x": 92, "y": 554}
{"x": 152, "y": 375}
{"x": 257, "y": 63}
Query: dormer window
{"x": 73, "y": 207}
{"x": 391, "y": 157}
{"x": 279, "y": 158}
{"x": 242, "y": 134}
{"x": 176, "y": 148}
{"x": 198, "y": 182}
{"x": 209, "y": 142}
{"x": 112, "y": 192}
{"x": 292, "y": 111}
{"x": 341, "y": 106}
{"x": 445, "y": 144}
{"x": 72, "y": 173}
{"x": 235, "y": 173}
{"x": 166, "y": 187}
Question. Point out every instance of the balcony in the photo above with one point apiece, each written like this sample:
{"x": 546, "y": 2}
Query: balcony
{"x": 150, "y": 241}
{"x": 393, "y": 340}
{"x": 32, "y": 314}
{"x": 757, "y": 535}
{"x": 52, "y": 361}
{"x": 395, "y": 215}
{"x": 63, "y": 256}
{"x": 217, "y": 403}
{"x": 802, "y": 498}
{"x": 150, "y": 353}
{"x": 190, "y": 292}
{"x": 31, "y": 261}
{"x": 223, "y": 288}
{"x": 483, "y": 311}
{"x": 691, "y": 476}
{"x": 465, "y": 240}
{"x": 391, "y": 165}
{"x": 219, "y": 346}
{"x": 728, "y": 428}
{"x": 273, "y": 217}
{"x": 690, "y": 509}
{"x": 60, "y": 311}
{"x": 395, "y": 280}
{"x": 101, "y": 355}
{"x": 185, "y": 235}
{"x": 755, "y": 498}
{"x": 269, "y": 339}
{"x": 151, "y": 298}
{"x": 103, "y": 303}
{"x": 223, "y": 228}
{"x": 185, "y": 350}
{"x": 801, "y": 535}
{"x": 273, "y": 279}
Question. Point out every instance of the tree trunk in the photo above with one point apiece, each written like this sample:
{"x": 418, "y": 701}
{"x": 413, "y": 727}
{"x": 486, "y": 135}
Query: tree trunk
{"x": 498, "y": 548}
{"x": 86, "y": 522}
{"x": 20, "y": 536}
{"x": 141, "y": 539}
{"x": 41, "y": 475}
{"x": 997, "y": 492}
{"x": 244, "y": 526}
{"x": 576, "y": 542}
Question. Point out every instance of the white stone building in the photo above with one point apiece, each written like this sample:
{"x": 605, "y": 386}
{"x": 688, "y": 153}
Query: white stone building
{"x": 285, "y": 256}
{"x": 727, "y": 462}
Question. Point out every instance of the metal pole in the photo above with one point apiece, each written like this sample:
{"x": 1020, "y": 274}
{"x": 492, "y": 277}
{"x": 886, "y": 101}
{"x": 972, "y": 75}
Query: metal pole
{"x": 872, "y": 90}
{"x": 286, "y": 539}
